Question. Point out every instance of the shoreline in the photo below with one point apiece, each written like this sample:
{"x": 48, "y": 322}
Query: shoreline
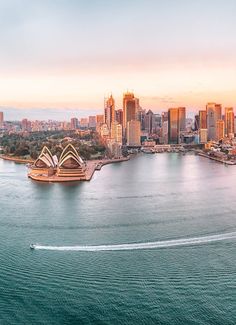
{"x": 227, "y": 162}
{"x": 17, "y": 159}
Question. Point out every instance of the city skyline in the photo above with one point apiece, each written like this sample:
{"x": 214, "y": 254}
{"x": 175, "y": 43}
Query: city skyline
{"x": 64, "y": 55}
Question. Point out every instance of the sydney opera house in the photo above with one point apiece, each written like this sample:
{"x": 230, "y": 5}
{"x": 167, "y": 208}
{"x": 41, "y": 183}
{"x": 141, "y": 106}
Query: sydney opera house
{"x": 69, "y": 167}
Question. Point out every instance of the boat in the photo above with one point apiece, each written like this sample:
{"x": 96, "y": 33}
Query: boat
{"x": 32, "y": 246}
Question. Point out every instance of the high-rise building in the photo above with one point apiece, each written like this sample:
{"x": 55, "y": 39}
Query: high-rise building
{"x": 141, "y": 117}
{"x": 133, "y": 133}
{"x": 220, "y": 130}
{"x": 99, "y": 121}
{"x": 109, "y": 111}
{"x": 173, "y": 126}
{"x": 1, "y": 120}
{"x": 92, "y": 122}
{"x": 104, "y": 131}
{"x": 119, "y": 116}
{"x": 156, "y": 123}
{"x": 26, "y": 125}
{"x": 196, "y": 123}
{"x": 182, "y": 118}
{"x": 202, "y": 135}
{"x": 148, "y": 121}
{"x": 74, "y": 123}
{"x": 202, "y": 119}
{"x": 84, "y": 122}
{"x": 130, "y": 108}
{"x": 164, "y": 132}
{"x": 229, "y": 122}
{"x": 213, "y": 115}
{"x": 116, "y": 132}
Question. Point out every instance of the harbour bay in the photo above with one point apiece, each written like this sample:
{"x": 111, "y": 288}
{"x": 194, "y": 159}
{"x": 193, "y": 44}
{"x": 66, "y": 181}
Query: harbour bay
{"x": 148, "y": 198}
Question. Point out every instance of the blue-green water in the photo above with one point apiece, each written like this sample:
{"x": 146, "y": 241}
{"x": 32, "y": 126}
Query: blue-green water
{"x": 149, "y": 198}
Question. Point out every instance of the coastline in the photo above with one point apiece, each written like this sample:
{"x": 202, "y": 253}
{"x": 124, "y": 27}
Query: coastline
{"x": 17, "y": 159}
{"x": 227, "y": 162}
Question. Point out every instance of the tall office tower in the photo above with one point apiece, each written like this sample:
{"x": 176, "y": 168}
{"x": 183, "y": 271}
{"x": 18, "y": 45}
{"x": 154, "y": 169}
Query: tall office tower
{"x": 156, "y": 123}
{"x": 133, "y": 133}
{"x": 109, "y": 111}
{"x": 116, "y": 132}
{"x": 202, "y": 135}
{"x": 74, "y": 123}
{"x": 130, "y": 109}
{"x": 213, "y": 115}
{"x": 1, "y": 120}
{"x": 164, "y": 117}
{"x": 202, "y": 119}
{"x": 164, "y": 132}
{"x": 196, "y": 123}
{"x": 104, "y": 131}
{"x": 99, "y": 122}
{"x": 220, "y": 130}
{"x": 119, "y": 116}
{"x": 148, "y": 119}
{"x": 84, "y": 122}
{"x": 182, "y": 118}
{"x": 25, "y": 125}
{"x": 229, "y": 122}
{"x": 141, "y": 117}
{"x": 99, "y": 119}
{"x": 173, "y": 126}
{"x": 92, "y": 122}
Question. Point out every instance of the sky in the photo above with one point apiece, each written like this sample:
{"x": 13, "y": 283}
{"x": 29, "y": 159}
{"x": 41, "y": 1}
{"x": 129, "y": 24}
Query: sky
{"x": 62, "y": 57}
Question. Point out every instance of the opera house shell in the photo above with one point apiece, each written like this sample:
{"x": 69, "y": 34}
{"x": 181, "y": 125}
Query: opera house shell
{"x": 70, "y": 166}
{"x": 46, "y": 159}
{"x": 70, "y": 163}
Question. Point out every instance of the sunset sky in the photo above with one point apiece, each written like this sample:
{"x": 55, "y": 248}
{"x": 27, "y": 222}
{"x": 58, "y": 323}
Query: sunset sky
{"x": 70, "y": 53}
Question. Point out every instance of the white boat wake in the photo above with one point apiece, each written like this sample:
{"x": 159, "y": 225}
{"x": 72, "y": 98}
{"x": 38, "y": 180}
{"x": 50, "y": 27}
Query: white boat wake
{"x": 147, "y": 245}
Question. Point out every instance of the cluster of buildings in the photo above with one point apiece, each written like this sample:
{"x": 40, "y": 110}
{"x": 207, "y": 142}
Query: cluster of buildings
{"x": 213, "y": 125}
{"x": 132, "y": 125}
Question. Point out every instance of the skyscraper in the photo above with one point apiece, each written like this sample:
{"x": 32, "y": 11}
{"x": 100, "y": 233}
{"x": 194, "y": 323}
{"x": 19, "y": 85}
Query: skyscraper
{"x": 116, "y": 132}
{"x": 109, "y": 111}
{"x": 133, "y": 133}
{"x": 25, "y": 125}
{"x": 229, "y": 122}
{"x": 182, "y": 118}
{"x": 74, "y": 123}
{"x": 220, "y": 130}
{"x": 1, "y": 119}
{"x": 213, "y": 115}
{"x": 202, "y": 119}
{"x": 92, "y": 121}
{"x": 130, "y": 108}
{"x": 173, "y": 125}
{"x": 148, "y": 119}
{"x": 196, "y": 122}
{"x": 119, "y": 116}
{"x": 176, "y": 124}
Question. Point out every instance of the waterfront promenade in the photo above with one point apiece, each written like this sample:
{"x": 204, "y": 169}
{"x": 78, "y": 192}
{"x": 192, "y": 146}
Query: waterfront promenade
{"x": 17, "y": 159}
{"x": 227, "y": 162}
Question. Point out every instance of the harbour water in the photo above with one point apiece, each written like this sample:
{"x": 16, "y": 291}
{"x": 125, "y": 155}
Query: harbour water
{"x": 158, "y": 198}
